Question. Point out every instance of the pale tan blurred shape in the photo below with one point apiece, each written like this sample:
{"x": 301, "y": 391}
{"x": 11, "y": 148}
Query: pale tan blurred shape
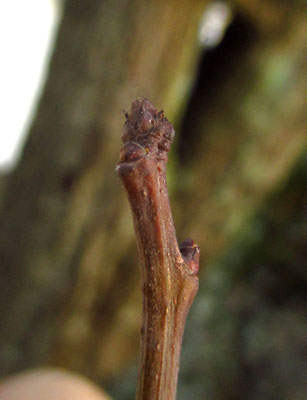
{"x": 49, "y": 384}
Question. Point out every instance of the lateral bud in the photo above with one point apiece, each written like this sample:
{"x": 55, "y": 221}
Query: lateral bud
{"x": 190, "y": 253}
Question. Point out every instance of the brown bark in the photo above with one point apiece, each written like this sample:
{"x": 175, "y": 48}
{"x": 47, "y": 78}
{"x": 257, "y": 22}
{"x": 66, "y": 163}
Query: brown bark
{"x": 65, "y": 247}
{"x": 169, "y": 281}
{"x": 62, "y": 215}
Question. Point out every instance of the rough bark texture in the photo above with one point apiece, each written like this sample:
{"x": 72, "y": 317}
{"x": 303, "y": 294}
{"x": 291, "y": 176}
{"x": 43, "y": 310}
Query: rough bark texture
{"x": 169, "y": 281}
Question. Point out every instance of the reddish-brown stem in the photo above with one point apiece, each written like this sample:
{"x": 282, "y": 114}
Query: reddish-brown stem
{"x": 169, "y": 280}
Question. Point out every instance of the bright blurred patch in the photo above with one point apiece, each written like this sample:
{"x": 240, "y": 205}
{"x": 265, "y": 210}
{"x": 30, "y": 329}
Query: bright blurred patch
{"x": 216, "y": 18}
{"x": 26, "y": 29}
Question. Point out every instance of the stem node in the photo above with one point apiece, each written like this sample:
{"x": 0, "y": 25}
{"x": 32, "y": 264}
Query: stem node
{"x": 169, "y": 278}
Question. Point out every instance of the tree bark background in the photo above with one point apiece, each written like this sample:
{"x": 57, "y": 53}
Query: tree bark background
{"x": 69, "y": 292}
{"x": 66, "y": 236}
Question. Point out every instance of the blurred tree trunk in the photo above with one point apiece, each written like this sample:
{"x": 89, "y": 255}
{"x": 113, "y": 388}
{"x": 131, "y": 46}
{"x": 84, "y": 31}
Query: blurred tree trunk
{"x": 3, "y": 180}
{"x": 65, "y": 226}
{"x": 70, "y": 288}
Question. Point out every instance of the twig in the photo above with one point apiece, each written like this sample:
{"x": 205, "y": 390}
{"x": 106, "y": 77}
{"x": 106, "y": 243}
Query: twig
{"x": 169, "y": 281}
